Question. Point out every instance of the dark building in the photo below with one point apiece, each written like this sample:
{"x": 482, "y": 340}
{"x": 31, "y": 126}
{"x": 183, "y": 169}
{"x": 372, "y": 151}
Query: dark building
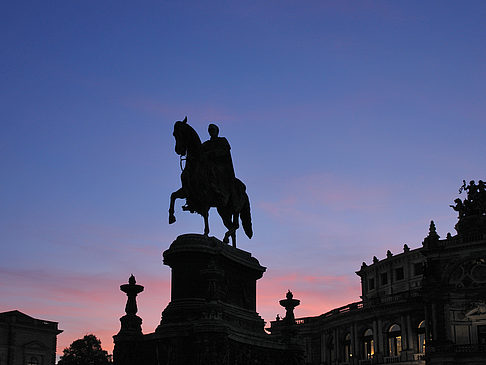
{"x": 27, "y": 341}
{"x": 421, "y": 306}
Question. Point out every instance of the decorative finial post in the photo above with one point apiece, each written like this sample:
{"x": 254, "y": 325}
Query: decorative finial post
{"x": 432, "y": 231}
{"x": 130, "y": 322}
{"x": 432, "y": 239}
{"x": 289, "y": 304}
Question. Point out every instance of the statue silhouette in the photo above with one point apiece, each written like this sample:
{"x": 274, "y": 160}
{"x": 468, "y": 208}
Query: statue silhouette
{"x": 208, "y": 180}
{"x": 220, "y": 165}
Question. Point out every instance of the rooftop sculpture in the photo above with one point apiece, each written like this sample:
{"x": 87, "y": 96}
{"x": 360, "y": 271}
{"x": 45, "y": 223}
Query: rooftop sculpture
{"x": 208, "y": 180}
{"x": 471, "y": 211}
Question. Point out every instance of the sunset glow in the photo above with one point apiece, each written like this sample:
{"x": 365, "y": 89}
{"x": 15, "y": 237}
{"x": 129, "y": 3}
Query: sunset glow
{"x": 352, "y": 125}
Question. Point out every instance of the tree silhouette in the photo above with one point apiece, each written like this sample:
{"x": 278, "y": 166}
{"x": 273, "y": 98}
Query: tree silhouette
{"x": 85, "y": 351}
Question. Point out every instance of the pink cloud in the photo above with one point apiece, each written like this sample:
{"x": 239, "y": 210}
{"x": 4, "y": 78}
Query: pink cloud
{"x": 93, "y": 303}
{"x": 81, "y": 303}
{"x": 318, "y": 293}
{"x": 158, "y": 108}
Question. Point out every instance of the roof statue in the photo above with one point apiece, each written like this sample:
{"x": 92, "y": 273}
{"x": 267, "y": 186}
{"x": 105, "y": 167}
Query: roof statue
{"x": 208, "y": 180}
{"x": 471, "y": 211}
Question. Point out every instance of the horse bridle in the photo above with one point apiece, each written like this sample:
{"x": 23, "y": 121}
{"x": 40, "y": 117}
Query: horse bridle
{"x": 182, "y": 158}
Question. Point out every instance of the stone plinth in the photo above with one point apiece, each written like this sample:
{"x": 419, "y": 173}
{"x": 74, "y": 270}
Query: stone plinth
{"x": 212, "y": 279}
{"x": 211, "y": 318}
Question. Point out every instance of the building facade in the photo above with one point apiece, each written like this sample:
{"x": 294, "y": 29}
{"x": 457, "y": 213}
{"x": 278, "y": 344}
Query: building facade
{"x": 421, "y": 306}
{"x": 27, "y": 341}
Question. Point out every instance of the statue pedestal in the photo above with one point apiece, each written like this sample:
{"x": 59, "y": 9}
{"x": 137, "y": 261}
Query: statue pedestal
{"x": 212, "y": 280}
{"x": 211, "y": 318}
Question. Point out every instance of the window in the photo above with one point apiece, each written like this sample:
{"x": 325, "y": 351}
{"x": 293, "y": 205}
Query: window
{"x": 421, "y": 337}
{"x": 33, "y": 361}
{"x": 371, "y": 284}
{"x": 399, "y": 273}
{"x": 384, "y": 278}
{"x": 369, "y": 348}
{"x": 418, "y": 268}
{"x": 394, "y": 340}
{"x": 482, "y": 335}
{"x": 347, "y": 348}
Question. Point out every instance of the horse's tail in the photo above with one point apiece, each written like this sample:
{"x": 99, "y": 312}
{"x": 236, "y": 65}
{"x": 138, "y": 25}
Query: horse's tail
{"x": 245, "y": 216}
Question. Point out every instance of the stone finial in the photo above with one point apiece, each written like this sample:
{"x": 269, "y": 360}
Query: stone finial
{"x": 363, "y": 265}
{"x": 289, "y": 304}
{"x": 375, "y": 259}
{"x": 388, "y": 254}
{"x": 432, "y": 231}
{"x": 130, "y": 322}
{"x": 131, "y": 280}
{"x": 449, "y": 236}
{"x": 406, "y": 248}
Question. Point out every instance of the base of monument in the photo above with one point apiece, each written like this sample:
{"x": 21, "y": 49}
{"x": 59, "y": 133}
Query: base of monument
{"x": 212, "y": 316}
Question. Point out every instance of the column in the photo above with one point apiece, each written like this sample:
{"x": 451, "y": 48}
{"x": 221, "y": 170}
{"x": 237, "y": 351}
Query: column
{"x": 355, "y": 343}
{"x": 404, "y": 328}
{"x": 381, "y": 347}
{"x": 323, "y": 347}
{"x": 410, "y": 330}
{"x": 336, "y": 344}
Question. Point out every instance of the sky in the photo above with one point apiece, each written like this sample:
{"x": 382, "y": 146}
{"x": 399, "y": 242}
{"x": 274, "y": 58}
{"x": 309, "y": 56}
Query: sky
{"x": 352, "y": 124}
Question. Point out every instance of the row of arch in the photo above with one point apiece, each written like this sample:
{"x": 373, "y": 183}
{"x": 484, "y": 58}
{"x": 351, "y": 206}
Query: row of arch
{"x": 393, "y": 346}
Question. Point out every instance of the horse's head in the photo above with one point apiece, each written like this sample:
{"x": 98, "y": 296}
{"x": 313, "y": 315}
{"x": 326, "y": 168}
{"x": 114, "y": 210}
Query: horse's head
{"x": 180, "y": 137}
{"x": 186, "y": 138}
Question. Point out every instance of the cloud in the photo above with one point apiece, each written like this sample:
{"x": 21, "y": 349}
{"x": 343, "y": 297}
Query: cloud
{"x": 318, "y": 293}
{"x": 158, "y": 108}
{"x": 330, "y": 192}
{"x": 81, "y": 303}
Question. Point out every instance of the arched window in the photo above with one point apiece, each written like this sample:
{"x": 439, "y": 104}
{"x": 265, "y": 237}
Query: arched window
{"x": 394, "y": 340}
{"x": 421, "y": 337}
{"x": 33, "y": 361}
{"x": 347, "y": 348}
{"x": 369, "y": 346}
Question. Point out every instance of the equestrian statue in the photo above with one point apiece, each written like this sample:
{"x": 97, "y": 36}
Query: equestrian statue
{"x": 208, "y": 180}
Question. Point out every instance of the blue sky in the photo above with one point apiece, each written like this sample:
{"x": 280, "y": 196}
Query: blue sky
{"x": 351, "y": 123}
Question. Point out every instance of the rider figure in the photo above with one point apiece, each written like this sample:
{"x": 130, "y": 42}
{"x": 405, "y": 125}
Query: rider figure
{"x": 221, "y": 172}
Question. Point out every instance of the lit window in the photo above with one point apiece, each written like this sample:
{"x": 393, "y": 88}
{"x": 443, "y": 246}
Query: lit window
{"x": 394, "y": 340}
{"x": 369, "y": 348}
{"x": 347, "y": 348}
{"x": 421, "y": 337}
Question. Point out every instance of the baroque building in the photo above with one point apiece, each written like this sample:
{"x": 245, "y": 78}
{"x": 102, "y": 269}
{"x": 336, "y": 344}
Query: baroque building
{"x": 27, "y": 341}
{"x": 421, "y": 306}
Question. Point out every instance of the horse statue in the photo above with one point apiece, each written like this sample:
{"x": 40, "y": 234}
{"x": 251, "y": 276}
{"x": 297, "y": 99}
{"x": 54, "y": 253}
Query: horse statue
{"x": 202, "y": 187}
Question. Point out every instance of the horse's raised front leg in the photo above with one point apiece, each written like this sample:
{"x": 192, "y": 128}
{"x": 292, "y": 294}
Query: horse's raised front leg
{"x": 206, "y": 223}
{"x": 179, "y": 194}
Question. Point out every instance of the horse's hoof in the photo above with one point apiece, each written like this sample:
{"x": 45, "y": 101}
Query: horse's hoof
{"x": 226, "y": 240}
{"x": 172, "y": 219}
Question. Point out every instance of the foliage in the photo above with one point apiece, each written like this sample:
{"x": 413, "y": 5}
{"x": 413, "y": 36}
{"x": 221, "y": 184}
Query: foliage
{"x": 85, "y": 351}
